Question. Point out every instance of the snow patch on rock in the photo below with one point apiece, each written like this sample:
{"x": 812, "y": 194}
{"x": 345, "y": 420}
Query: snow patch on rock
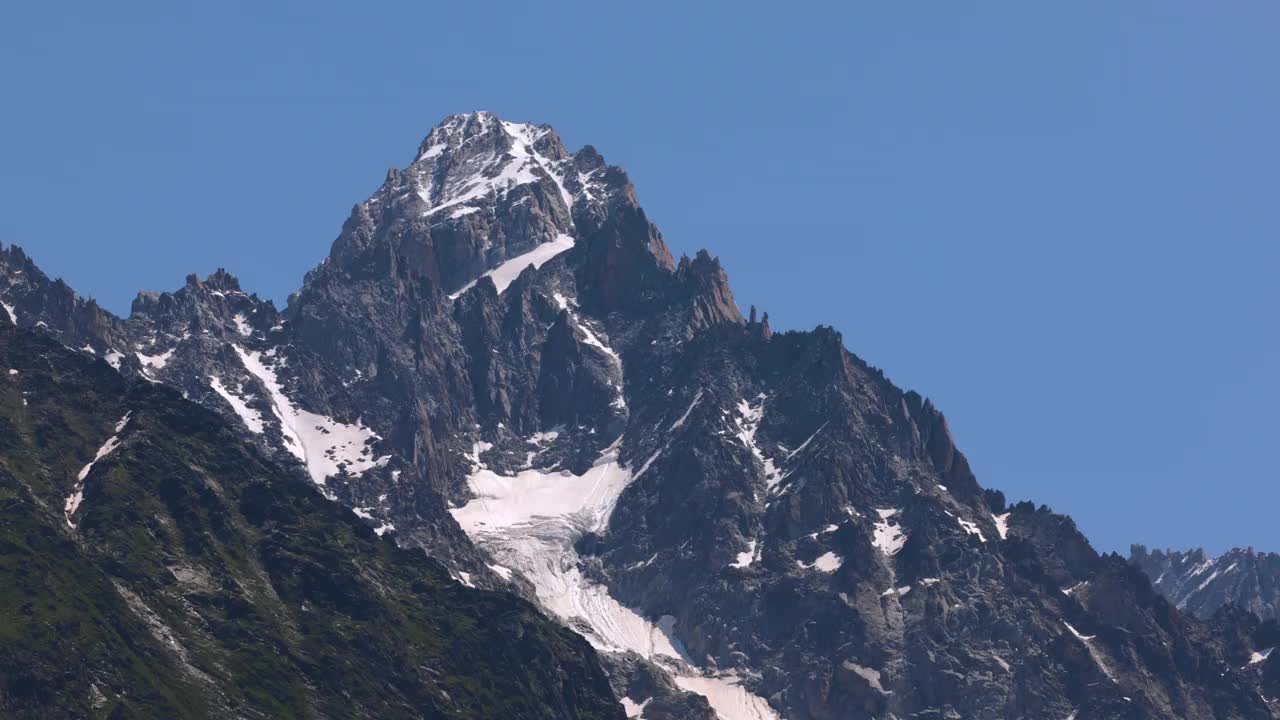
{"x": 155, "y": 362}
{"x": 252, "y": 418}
{"x": 746, "y": 557}
{"x": 827, "y": 562}
{"x": 327, "y": 447}
{"x": 1002, "y": 525}
{"x": 531, "y": 521}
{"x": 888, "y": 536}
{"x": 632, "y": 708}
{"x": 73, "y": 501}
{"x": 506, "y": 273}
{"x": 242, "y": 325}
{"x": 748, "y": 422}
{"x": 971, "y": 528}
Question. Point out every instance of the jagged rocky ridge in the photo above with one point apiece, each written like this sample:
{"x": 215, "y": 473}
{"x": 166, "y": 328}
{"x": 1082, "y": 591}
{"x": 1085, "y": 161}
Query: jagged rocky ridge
{"x": 1200, "y": 585}
{"x": 156, "y": 566}
{"x": 500, "y": 362}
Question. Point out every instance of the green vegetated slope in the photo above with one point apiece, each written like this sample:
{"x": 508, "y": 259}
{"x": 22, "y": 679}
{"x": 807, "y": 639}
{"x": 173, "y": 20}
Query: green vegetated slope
{"x": 199, "y": 580}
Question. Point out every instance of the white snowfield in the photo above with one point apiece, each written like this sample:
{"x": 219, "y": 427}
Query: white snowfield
{"x": 506, "y": 273}
{"x": 1002, "y": 525}
{"x": 728, "y": 698}
{"x": 155, "y": 362}
{"x": 242, "y": 325}
{"x": 888, "y": 535}
{"x": 252, "y": 418}
{"x": 971, "y": 528}
{"x": 746, "y": 557}
{"x": 529, "y": 523}
{"x": 632, "y": 708}
{"x": 828, "y": 562}
{"x": 324, "y": 445}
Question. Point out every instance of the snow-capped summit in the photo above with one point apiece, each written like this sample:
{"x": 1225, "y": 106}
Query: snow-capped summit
{"x": 483, "y": 191}
{"x": 470, "y": 159}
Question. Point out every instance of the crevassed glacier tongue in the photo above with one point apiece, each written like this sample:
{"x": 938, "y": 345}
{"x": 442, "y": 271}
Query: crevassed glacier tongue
{"x": 530, "y": 522}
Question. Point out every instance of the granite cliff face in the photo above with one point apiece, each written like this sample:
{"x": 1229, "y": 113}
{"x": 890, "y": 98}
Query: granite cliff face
{"x": 501, "y": 363}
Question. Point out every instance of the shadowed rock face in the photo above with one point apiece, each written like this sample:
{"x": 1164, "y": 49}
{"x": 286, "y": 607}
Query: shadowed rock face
{"x": 501, "y": 363}
{"x": 1200, "y": 585}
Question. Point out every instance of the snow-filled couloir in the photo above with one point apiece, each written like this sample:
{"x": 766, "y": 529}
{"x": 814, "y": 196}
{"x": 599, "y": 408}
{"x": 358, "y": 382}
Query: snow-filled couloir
{"x": 530, "y": 522}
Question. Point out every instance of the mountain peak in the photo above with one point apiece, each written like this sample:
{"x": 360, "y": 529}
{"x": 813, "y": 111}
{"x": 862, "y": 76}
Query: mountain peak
{"x": 486, "y": 195}
{"x": 469, "y": 159}
{"x": 220, "y": 280}
{"x": 484, "y": 128}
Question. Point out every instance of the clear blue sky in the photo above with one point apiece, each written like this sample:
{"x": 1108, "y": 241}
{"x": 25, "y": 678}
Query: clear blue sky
{"x": 1061, "y": 222}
